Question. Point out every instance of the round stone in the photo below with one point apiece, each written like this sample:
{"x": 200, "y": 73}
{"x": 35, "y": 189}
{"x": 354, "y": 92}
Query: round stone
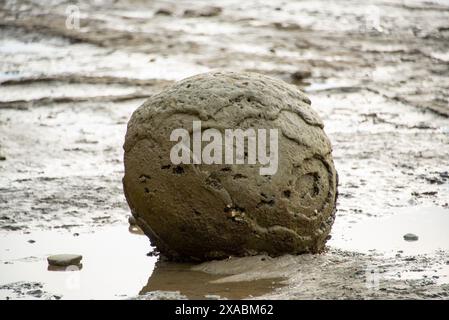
{"x": 410, "y": 237}
{"x": 199, "y": 210}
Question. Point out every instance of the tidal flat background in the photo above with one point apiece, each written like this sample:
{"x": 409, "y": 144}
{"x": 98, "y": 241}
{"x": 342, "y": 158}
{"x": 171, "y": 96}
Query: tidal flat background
{"x": 377, "y": 72}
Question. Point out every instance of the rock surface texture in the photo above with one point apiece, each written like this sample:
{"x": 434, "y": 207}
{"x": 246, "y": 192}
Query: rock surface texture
{"x": 203, "y": 212}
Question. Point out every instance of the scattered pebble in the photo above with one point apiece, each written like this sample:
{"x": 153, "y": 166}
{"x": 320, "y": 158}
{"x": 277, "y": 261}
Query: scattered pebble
{"x": 132, "y": 221}
{"x": 426, "y": 193}
{"x": 164, "y": 11}
{"x": 411, "y": 237}
{"x": 161, "y": 295}
{"x": 31, "y": 241}
{"x": 208, "y": 11}
{"x": 35, "y": 293}
{"x": 152, "y": 253}
{"x": 301, "y": 75}
{"x": 64, "y": 260}
{"x": 2, "y": 158}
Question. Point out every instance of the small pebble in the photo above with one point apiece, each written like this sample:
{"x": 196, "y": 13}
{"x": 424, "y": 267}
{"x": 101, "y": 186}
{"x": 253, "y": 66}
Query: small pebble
{"x": 411, "y": 237}
{"x": 301, "y": 75}
{"x": 132, "y": 221}
{"x": 64, "y": 260}
{"x": 153, "y": 253}
{"x": 164, "y": 11}
{"x": 35, "y": 293}
{"x": 31, "y": 241}
{"x": 2, "y": 158}
{"x": 207, "y": 11}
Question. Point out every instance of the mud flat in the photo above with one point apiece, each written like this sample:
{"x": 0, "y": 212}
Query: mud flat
{"x": 380, "y": 87}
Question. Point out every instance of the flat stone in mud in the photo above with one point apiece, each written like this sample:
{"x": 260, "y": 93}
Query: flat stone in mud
{"x": 213, "y": 211}
{"x": 64, "y": 260}
{"x": 411, "y": 237}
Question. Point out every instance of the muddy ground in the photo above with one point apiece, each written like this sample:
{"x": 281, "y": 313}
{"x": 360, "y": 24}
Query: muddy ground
{"x": 377, "y": 72}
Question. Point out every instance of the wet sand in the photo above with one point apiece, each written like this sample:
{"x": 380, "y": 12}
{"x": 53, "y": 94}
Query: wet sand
{"x": 377, "y": 74}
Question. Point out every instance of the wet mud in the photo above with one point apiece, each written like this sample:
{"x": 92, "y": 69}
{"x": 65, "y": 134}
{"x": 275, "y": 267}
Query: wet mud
{"x": 376, "y": 73}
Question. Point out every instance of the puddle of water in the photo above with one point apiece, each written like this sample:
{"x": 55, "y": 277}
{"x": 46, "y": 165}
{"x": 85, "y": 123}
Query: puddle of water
{"x": 416, "y": 260}
{"x": 386, "y": 234}
{"x": 114, "y": 262}
{"x": 114, "y": 266}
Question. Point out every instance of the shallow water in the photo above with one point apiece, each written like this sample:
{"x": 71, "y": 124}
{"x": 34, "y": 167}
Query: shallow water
{"x": 114, "y": 262}
{"x": 386, "y": 234}
{"x": 115, "y": 265}
{"x": 384, "y": 237}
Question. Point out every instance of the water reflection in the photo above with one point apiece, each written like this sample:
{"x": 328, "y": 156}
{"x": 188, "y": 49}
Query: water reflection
{"x": 200, "y": 285}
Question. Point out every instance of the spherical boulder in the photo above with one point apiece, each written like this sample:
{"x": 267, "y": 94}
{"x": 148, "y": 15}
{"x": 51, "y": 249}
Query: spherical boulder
{"x": 195, "y": 208}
